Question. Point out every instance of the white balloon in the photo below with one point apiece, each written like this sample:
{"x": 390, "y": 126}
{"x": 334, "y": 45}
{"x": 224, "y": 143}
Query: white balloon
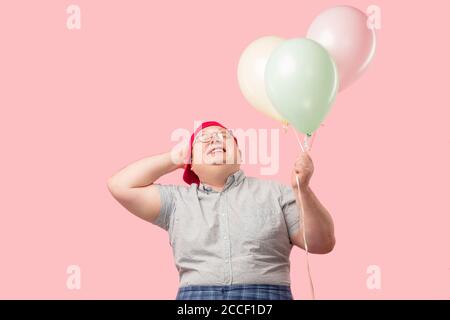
{"x": 251, "y": 68}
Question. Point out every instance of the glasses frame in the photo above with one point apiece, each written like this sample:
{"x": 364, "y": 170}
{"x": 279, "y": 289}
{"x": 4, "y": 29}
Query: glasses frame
{"x": 229, "y": 134}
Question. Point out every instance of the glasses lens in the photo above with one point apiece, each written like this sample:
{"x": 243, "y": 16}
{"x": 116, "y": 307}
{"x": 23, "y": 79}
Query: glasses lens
{"x": 207, "y": 136}
{"x": 204, "y": 137}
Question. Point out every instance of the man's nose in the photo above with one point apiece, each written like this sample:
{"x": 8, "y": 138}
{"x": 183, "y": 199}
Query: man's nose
{"x": 216, "y": 137}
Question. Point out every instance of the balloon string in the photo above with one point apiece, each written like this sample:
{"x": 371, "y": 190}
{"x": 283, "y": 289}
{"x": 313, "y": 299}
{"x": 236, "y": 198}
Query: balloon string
{"x": 311, "y": 284}
{"x": 312, "y": 139}
{"x": 285, "y": 126}
{"x": 298, "y": 139}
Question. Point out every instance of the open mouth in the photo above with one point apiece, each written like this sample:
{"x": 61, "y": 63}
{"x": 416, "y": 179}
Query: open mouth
{"x": 215, "y": 150}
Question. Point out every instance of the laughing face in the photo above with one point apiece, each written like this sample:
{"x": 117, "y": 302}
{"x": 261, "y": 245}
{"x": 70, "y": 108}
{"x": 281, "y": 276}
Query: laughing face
{"x": 214, "y": 146}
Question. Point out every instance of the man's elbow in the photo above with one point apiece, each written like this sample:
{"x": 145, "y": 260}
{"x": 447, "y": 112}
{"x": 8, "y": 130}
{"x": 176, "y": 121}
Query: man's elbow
{"x": 111, "y": 184}
{"x": 324, "y": 247}
{"x": 115, "y": 187}
{"x": 330, "y": 245}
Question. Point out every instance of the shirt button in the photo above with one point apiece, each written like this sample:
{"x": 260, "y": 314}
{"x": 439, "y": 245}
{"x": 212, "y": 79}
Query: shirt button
{"x": 225, "y": 237}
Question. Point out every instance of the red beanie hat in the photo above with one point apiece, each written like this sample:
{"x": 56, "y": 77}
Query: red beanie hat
{"x": 189, "y": 176}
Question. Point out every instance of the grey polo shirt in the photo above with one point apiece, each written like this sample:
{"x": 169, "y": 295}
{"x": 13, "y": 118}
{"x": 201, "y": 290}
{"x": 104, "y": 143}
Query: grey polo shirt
{"x": 237, "y": 236}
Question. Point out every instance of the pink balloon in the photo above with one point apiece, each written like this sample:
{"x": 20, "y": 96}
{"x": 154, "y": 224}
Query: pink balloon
{"x": 344, "y": 32}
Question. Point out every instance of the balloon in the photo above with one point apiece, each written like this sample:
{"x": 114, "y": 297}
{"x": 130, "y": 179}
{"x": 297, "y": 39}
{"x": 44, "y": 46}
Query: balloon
{"x": 343, "y": 31}
{"x": 302, "y": 82}
{"x": 252, "y": 64}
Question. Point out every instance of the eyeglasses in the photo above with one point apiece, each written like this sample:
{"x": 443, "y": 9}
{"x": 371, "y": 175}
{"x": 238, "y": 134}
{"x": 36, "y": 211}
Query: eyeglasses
{"x": 208, "y": 136}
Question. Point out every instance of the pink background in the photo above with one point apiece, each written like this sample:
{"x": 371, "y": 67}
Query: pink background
{"x": 76, "y": 106}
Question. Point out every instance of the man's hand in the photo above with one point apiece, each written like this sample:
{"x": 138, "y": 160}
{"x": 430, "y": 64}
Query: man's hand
{"x": 179, "y": 154}
{"x": 318, "y": 224}
{"x": 304, "y": 168}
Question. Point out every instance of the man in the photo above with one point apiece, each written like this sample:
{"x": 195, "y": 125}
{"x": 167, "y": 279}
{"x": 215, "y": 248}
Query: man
{"x": 231, "y": 235}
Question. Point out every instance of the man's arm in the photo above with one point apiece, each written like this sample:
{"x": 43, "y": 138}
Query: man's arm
{"x": 318, "y": 222}
{"x": 133, "y": 185}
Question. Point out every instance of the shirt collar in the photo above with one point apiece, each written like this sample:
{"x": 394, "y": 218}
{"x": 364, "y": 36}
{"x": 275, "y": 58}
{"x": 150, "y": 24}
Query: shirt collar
{"x": 233, "y": 180}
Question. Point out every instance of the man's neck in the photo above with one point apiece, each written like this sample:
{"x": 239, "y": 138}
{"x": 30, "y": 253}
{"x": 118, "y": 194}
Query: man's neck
{"x": 217, "y": 179}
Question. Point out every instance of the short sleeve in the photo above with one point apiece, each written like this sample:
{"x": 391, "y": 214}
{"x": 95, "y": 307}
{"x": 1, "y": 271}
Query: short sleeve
{"x": 290, "y": 209}
{"x": 167, "y": 198}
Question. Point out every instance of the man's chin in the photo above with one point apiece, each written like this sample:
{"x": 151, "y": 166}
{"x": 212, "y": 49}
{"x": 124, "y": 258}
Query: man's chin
{"x": 219, "y": 164}
{"x": 216, "y": 162}
{"x": 216, "y": 169}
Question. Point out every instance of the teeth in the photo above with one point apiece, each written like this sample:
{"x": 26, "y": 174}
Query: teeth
{"x": 217, "y": 149}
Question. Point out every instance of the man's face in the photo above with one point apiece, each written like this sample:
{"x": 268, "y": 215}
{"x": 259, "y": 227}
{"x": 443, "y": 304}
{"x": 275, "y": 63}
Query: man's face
{"x": 214, "y": 146}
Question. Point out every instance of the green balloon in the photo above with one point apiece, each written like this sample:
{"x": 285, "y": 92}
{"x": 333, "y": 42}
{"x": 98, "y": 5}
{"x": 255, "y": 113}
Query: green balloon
{"x": 302, "y": 82}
